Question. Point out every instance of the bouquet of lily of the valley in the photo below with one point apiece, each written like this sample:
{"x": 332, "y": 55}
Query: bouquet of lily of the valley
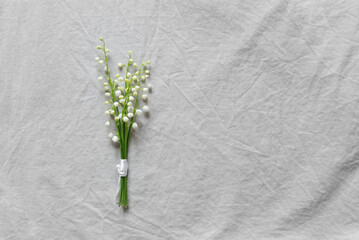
{"x": 124, "y": 93}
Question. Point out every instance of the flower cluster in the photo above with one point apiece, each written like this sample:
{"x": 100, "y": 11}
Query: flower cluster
{"x": 124, "y": 93}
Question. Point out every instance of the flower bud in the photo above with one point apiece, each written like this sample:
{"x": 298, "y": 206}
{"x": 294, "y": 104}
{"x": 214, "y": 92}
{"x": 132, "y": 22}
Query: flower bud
{"x": 134, "y": 125}
{"x": 130, "y": 61}
{"x": 105, "y": 84}
{"x": 130, "y": 115}
{"x": 106, "y": 102}
{"x": 145, "y": 89}
{"x": 146, "y": 108}
{"x": 116, "y": 104}
{"x": 101, "y": 39}
{"x": 131, "y": 98}
{"x": 99, "y": 47}
{"x": 147, "y": 71}
{"x": 107, "y": 124}
{"x": 119, "y": 65}
{"x": 138, "y": 112}
{"x": 134, "y": 64}
{"x": 130, "y": 52}
{"x": 129, "y": 103}
{"x": 128, "y": 75}
{"x": 114, "y": 139}
{"x": 125, "y": 119}
{"x": 135, "y": 94}
{"x": 97, "y": 59}
{"x": 100, "y": 78}
{"x": 143, "y": 78}
{"x": 144, "y": 97}
{"x": 107, "y": 50}
{"x": 112, "y": 112}
{"x": 130, "y": 109}
{"x": 117, "y": 92}
{"x": 107, "y": 112}
{"x": 107, "y": 94}
{"x": 100, "y": 62}
{"x": 110, "y": 135}
{"x": 149, "y": 86}
{"x": 121, "y": 79}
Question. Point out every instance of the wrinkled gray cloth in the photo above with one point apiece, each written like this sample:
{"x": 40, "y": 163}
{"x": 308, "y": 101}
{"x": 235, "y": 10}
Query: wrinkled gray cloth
{"x": 253, "y": 130}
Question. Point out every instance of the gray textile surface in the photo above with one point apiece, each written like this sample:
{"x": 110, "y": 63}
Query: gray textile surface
{"x": 253, "y": 131}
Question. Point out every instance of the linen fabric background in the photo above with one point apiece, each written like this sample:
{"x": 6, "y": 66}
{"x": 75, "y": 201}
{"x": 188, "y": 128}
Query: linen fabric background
{"x": 253, "y": 130}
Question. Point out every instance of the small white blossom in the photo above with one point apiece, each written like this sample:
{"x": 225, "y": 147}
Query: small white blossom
{"x": 127, "y": 80}
{"x": 134, "y": 78}
{"x": 107, "y": 89}
{"x": 121, "y": 79}
{"x": 145, "y": 89}
{"x": 130, "y": 61}
{"x": 116, "y": 104}
{"x": 137, "y": 73}
{"x": 143, "y": 78}
{"x": 133, "y": 89}
{"x": 130, "y": 115}
{"x": 114, "y": 139}
{"x": 128, "y": 75}
{"x": 120, "y": 115}
{"x": 146, "y": 108}
{"x": 138, "y": 112}
{"x": 125, "y": 119}
{"x": 107, "y": 50}
{"x": 120, "y": 97}
{"x": 121, "y": 101}
{"x": 135, "y": 94}
{"x": 137, "y": 88}
{"x": 129, "y": 104}
{"x": 149, "y": 86}
{"x": 134, "y": 125}
{"x": 119, "y": 65}
{"x": 99, "y": 47}
{"x": 147, "y": 76}
{"x": 131, "y": 98}
{"x": 130, "y": 109}
{"x": 110, "y": 135}
{"x": 100, "y": 62}
{"x": 97, "y": 59}
{"x": 105, "y": 84}
{"x": 101, "y": 39}
{"x": 147, "y": 71}
{"x": 106, "y": 102}
{"x": 144, "y": 97}
{"x": 112, "y": 112}
{"x": 122, "y": 88}
{"x": 135, "y": 64}
{"x": 148, "y": 62}
{"x": 107, "y": 112}
{"x": 100, "y": 78}
{"x": 107, "y": 124}
{"x": 107, "y": 94}
{"x": 117, "y": 92}
{"x": 117, "y": 118}
{"x": 130, "y": 52}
